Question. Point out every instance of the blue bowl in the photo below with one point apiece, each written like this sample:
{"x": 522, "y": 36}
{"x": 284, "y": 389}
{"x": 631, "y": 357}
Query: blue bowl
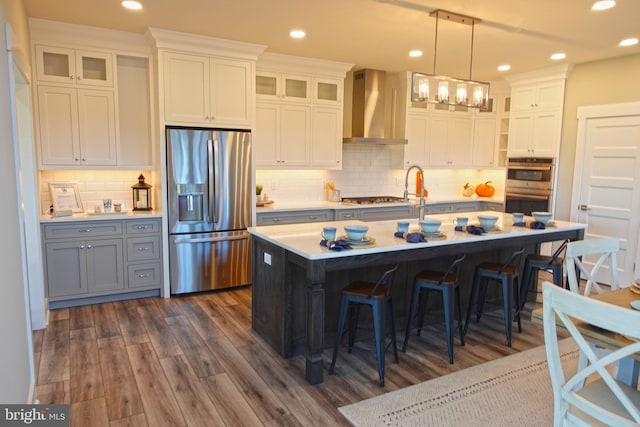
{"x": 356, "y": 232}
{"x": 542, "y": 217}
{"x": 430, "y": 225}
{"x": 488, "y": 221}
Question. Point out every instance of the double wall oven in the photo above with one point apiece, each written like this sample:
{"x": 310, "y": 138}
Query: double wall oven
{"x": 529, "y": 185}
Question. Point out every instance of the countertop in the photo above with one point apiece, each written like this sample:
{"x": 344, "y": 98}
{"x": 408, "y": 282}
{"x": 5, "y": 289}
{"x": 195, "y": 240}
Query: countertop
{"x": 89, "y": 216}
{"x": 318, "y": 204}
{"x": 304, "y": 239}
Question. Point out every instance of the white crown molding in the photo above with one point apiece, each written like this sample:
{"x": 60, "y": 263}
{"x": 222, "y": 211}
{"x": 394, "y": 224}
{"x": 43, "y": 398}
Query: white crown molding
{"x": 292, "y": 64}
{"x": 44, "y": 31}
{"x": 185, "y": 42}
{"x": 559, "y": 72}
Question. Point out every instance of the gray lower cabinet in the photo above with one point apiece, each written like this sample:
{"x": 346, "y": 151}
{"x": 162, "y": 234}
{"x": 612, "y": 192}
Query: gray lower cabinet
{"x": 385, "y": 213}
{"x": 101, "y": 258}
{"x": 294, "y": 217}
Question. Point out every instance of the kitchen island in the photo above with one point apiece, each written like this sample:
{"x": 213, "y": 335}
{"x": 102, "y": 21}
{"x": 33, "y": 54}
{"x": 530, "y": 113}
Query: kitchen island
{"x": 297, "y": 282}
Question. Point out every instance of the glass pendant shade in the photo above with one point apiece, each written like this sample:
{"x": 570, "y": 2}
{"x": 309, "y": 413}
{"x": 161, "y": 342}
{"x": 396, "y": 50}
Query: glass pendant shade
{"x": 437, "y": 89}
{"x": 425, "y": 84}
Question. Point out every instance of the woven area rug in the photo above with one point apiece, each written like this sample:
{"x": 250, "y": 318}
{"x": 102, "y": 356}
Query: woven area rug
{"x": 513, "y": 390}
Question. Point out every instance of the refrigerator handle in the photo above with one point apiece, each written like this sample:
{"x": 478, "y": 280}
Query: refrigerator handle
{"x": 215, "y": 170}
{"x": 210, "y": 182}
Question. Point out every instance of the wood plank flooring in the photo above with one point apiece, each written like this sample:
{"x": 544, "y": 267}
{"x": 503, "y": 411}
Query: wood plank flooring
{"x": 195, "y": 361}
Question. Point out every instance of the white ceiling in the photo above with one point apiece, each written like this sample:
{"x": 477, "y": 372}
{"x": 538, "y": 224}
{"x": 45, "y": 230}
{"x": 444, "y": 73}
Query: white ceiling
{"x": 380, "y": 33}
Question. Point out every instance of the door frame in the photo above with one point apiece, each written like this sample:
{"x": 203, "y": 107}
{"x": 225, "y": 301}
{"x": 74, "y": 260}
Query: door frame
{"x": 586, "y": 113}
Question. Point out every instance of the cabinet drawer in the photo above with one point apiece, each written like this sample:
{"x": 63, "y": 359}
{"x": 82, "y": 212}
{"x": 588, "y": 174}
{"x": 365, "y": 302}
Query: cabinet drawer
{"x": 82, "y": 230}
{"x": 143, "y": 275}
{"x": 385, "y": 213}
{"x": 272, "y": 218}
{"x": 143, "y": 226}
{"x": 345, "y": 214}
{"x": 435, "y": 209}
{"x": 466, "y": 206}
{"x": 143, "y": 248}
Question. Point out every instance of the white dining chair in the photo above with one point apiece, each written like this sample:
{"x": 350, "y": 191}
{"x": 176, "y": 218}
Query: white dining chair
{"x": 605, "y": 250}
{"x": 602, "y": 253}
{"x": 603, "y": 398}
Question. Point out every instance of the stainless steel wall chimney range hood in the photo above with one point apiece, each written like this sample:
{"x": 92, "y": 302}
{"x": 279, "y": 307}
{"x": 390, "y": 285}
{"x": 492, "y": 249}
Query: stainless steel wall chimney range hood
{"x": 368, "y": 109}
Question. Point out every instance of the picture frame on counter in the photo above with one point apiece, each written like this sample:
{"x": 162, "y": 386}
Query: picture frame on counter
{"x": 66, "y": 196}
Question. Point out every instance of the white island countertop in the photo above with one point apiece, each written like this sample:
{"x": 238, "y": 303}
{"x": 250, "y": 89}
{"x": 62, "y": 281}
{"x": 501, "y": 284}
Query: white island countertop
{"x": 304, "y": 239}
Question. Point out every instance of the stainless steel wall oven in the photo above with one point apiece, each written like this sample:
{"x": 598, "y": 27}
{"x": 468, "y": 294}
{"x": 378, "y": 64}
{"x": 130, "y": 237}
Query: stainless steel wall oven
{"x": 529, "y": 185}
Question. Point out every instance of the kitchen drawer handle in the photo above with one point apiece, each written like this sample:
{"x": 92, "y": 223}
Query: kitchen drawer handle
{"x": 86, "y": 230}
{"x": 313, "y": 217}
{"x": 142, "y": 276}
{"x": 143, "y": 249}
{"x": 347, "y": 216}
{"x": 211, "y": 239}
{"x": 141, "y": 227}
{"x": 276, "y": 220}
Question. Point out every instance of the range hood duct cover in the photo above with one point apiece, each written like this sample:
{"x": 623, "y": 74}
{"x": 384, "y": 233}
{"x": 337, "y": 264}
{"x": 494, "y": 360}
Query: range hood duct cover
{"x": 368, "y": 109}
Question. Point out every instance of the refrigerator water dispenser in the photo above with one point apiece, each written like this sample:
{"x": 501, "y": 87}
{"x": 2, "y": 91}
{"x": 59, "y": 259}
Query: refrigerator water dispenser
{"x": 190, "y": 207}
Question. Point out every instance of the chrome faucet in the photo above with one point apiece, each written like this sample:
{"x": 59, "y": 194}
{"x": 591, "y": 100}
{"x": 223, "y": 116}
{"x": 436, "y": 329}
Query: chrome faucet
{"x": 421, "y": 195}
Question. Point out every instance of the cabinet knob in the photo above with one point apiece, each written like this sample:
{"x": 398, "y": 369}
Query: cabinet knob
{"x": 76, "y": 159}
{"x": 81, "y": 246}
{"x": 79, "y": 78}
{"x": 84, "y": 159}
{"x": 88, "y": 246}
{"x": 71, "y": 77}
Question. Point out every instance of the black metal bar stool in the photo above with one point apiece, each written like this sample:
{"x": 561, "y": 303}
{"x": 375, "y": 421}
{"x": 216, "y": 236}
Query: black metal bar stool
{"x": 507, "y": 275}
{"x": 533, "y": 263}
{"x": 376, "y": 295}
{"x": 447, "y": 284}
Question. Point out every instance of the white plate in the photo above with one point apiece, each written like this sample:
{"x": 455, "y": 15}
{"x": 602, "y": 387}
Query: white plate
{"x": 635, "y": 304}
{"x": 366, "y": 240}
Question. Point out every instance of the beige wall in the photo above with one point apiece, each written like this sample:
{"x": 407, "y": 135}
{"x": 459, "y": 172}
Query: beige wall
{"x": 16, "y": 364}
{"x": 611, "y": 81}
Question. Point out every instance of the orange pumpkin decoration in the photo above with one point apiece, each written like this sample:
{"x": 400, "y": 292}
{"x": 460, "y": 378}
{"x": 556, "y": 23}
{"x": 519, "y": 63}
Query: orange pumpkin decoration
{"x": 485, "y": 190}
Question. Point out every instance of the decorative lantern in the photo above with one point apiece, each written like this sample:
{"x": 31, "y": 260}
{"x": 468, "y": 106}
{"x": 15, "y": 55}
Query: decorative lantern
{"x": 141, "y": 195}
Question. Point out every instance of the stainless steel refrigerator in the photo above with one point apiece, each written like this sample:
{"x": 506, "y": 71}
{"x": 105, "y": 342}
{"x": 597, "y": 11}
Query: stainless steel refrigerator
{"x": 209, "y": 207}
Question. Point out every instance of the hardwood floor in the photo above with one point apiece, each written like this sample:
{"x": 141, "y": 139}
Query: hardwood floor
{"x": 195, "y": 361}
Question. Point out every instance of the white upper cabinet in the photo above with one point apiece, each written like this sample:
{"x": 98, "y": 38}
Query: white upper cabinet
{"x": 540, "y": 96}
{"x": 77, "y": 127}
{"x": 282, "y": 87}
{"x": 207, "y": 90}
{"x": 535, "y": 123}
{"x": 74, "y": 66}
{"x": 298, "y": 112}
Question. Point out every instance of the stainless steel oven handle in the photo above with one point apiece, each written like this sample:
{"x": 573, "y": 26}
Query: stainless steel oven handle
{"x": 529, "y": 168}
{"x": 209, "y": 239}
{"x": 527, "y": 196}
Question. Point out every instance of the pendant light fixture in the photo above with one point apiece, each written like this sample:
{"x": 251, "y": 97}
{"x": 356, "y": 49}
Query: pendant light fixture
{"x": 436, "y": 89}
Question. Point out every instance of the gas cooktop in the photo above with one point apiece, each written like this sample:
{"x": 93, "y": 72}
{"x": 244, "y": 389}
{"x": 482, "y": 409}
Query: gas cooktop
{"x": 372, "y": 200}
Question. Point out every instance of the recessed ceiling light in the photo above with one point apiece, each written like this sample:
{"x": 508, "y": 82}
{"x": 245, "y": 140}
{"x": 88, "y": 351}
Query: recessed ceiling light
{"x": 558, "y": 56}
{"x": 415, "y": 53}
{"x": 603, "y": 5}
{"x": 628, "y": 42}
{"x": 504, "y": 67}
{"x": 132, "y": 5}
{"x": 297, "y": 34}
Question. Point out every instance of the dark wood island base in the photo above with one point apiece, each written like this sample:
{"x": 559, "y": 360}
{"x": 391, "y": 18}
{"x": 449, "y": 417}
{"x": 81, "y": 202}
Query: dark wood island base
{"x": 296, "y": 285}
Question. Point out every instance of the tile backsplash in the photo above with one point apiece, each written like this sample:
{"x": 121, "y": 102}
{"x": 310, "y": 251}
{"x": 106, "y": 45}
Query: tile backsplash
{"x": 94, "y": 186}
{"x": 371, "y": 170}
